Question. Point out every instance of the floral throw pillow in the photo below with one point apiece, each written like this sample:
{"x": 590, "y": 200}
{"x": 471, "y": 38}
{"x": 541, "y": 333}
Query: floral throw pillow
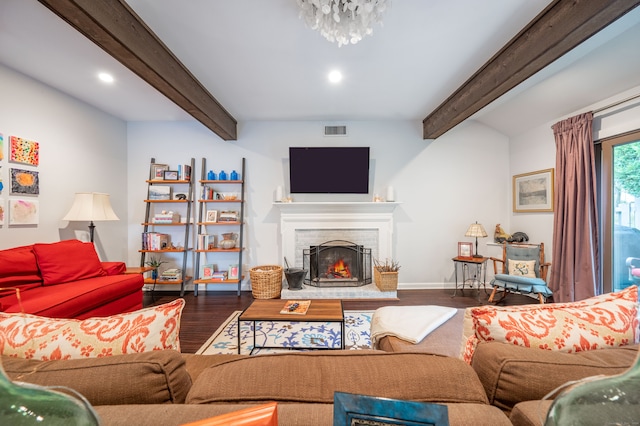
{"x": 523, "y": 268}
{"x": 604, "y": 321}
{"x": 35, "y": 337}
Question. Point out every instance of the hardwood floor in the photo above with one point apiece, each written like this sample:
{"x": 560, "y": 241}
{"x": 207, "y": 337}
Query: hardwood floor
{"x": 203, "y": 315}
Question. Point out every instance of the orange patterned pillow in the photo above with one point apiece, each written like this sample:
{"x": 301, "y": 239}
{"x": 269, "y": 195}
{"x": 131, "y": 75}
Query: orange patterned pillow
{"x": 608, "y": 320}
{"x": 35, "y": 337}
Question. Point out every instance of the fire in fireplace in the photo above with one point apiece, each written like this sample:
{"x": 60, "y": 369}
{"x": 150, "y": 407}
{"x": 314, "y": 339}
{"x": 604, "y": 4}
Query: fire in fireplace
{"x": 337, "y": 263}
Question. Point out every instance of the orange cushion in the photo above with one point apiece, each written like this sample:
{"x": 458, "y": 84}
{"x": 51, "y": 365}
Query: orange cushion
{"x": 604, "y": 321}
{"x": 66, "y": 261}
{"x": 31, "y": 336}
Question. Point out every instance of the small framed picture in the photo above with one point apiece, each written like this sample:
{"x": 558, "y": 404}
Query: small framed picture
{"x": 465, "y": 249}
{"x": 157, "y": 171}
{"x": 170, "y": 175}
{"x": 212, "y": 216}
{"x": 233, "y": 271}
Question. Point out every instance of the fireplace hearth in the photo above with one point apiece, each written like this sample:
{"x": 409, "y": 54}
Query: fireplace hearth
{"x": 337, "y": 263}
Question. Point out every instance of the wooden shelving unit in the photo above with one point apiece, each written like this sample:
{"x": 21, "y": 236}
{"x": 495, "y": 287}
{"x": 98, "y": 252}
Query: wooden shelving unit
{"x": 204, "y": 227}
{"x": 185, "y": 205}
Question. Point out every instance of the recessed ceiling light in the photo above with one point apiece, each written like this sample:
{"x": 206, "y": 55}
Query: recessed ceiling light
{"x": 105, "y": 77}
{"x": 335, "y": 76}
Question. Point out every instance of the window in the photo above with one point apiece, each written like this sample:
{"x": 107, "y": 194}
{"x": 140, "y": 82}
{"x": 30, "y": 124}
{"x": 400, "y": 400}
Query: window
{"x": 619, "y": 176}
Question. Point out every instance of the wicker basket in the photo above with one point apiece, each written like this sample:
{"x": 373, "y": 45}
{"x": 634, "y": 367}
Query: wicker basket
{"x": 266, "y": 281}
{"x": 386, "y": 281}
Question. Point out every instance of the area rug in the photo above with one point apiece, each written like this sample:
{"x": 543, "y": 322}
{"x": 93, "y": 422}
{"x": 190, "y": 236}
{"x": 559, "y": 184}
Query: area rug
{"x": 289, "y": 335}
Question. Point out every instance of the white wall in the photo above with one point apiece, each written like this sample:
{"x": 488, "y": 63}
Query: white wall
{"x": 443, "y": 185}
{"x": 81, "y": 150}
{"x": 536, "y": 150}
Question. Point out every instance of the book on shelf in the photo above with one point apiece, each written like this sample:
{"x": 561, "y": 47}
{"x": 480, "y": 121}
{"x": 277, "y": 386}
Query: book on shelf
{"x": 206, "y": 241}
{"x": 155, "y": 241}
{"x": 296, "y": 307}
{"x": 172, "y": 274}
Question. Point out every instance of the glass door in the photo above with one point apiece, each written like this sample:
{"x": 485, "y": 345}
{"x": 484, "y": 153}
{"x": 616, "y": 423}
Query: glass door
{"x": 621, "y": 209}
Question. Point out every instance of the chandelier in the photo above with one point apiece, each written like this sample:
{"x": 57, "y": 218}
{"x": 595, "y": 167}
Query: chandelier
{"x": 342, "y": 21}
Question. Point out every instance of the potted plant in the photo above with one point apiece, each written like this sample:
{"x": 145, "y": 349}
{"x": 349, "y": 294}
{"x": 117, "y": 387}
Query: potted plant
{"x": 386, "y": 274}
{"x": 155, "y": 263}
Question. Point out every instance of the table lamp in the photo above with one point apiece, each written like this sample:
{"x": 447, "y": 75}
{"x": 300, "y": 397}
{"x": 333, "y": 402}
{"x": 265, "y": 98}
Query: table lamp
{"x": 476, "y": 230}
{"x": 91, "y": 206}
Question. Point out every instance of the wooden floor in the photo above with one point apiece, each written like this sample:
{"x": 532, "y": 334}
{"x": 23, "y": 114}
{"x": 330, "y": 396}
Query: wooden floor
{"x": 203, "y": 315}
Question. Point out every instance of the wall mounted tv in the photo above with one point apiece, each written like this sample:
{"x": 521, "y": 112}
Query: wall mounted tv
{"x": 329, "y": 170}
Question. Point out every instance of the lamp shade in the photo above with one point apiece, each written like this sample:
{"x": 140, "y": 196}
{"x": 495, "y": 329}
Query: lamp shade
{"x": 91, "y": 206}
{"x": 476, "y": 230}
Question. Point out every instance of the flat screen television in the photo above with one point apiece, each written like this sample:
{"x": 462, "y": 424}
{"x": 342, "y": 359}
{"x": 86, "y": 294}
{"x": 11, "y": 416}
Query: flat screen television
{"x": 329, "y": 170}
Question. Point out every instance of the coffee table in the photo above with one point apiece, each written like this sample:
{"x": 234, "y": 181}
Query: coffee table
{"x": 320, "y": 310}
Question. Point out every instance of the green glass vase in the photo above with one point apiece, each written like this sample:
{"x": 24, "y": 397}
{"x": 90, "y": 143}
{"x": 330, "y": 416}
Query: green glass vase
{"x": 611, "y": 400}
{"x": 27, "y": 404}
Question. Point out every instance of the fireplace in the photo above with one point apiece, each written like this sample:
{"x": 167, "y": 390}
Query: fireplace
{"x": 337, "y": 263}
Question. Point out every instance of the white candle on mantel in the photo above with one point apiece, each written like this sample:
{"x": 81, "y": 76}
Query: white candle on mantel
{"x": 279, "y": 194}
{"x": 390, "y": 194}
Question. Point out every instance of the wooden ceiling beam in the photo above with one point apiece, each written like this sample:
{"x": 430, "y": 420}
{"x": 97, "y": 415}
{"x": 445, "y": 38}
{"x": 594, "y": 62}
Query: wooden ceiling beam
{"x": 115, "y": 27}
{"x": 563, "y": 25}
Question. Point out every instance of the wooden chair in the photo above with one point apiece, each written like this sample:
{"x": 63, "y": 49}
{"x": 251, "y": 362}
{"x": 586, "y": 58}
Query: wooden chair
{"x": 522, "y": 269}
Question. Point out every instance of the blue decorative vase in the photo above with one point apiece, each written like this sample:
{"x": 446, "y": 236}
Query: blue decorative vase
{"x": 222, "y": 175}
{"x": 211, "y": 175}
{"x": 234, "y": 175}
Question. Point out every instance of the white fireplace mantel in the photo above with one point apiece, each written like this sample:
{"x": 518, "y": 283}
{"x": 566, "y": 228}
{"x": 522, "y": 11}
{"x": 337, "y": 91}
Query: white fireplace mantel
{"x": 336, "y": 215}
{"x": 337, "y": 207}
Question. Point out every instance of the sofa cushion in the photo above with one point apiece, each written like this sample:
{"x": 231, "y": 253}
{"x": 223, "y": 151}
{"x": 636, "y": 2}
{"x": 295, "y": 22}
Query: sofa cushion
{"x": 66, "y": 261}
{"x": 18, "y": 267}
{"x": 608, "y": 320}
{"x": 70, "y": 300}
{"x": 511, "y": 373}
{"x": 31, "y": 336}
{"x": 314, "y": 377}
{"x": 530, "y": 413}
{"x": 114, "y": 268}
{"x": 157, "y": 377}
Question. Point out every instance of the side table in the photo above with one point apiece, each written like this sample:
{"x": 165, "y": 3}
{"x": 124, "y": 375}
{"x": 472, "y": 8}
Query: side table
{"x": 469, "y": 265}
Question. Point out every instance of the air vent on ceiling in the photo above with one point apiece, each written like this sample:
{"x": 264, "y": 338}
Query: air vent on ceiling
{"x": 335, "y": 130}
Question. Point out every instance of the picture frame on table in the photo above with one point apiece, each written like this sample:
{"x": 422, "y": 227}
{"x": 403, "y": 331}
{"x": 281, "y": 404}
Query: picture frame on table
{"x": 533, "y": 192}
{"x": 211, "y": 216}
{"x": 465, "y": 249}
{"x": 157, "y": 171}
{"x": 170, "y": 175}
{"x": 363, "y": 410}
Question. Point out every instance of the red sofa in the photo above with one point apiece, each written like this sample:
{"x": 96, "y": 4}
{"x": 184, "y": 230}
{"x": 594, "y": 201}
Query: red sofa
{"x": 66, "y": 279}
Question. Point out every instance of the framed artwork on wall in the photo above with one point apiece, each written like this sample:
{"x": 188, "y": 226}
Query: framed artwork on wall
{"x": 24, "y": 182}
{"x": 533, "y": 192}
{"x": 24, "y": 151}
{"x": 465, "y": 249}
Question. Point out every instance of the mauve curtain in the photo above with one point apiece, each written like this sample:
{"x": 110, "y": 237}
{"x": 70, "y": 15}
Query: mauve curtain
{"x": 575, "y": 270}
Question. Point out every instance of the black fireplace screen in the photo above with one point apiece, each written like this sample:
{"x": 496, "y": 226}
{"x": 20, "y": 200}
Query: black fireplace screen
{"x": 337, "y": 263}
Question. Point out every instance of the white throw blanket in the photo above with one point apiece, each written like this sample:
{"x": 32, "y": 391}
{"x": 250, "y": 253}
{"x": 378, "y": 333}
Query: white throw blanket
{"x": 410, "y": 323}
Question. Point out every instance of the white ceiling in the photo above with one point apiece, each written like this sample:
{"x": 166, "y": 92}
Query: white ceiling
{"x": 258, "y": 59}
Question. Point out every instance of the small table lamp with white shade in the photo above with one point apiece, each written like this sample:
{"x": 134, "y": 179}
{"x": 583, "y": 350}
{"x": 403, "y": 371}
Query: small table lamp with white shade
{"x": 476, "y": 230}
{"x": 91, "y": 206}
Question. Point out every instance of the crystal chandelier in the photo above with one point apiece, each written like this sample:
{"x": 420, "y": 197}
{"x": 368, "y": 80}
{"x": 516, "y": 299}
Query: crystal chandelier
{"x": 342, "y": 21}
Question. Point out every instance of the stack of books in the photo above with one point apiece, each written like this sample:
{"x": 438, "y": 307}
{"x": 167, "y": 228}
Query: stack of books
{"x": 206, "y": 241}
{"x": 173, "y": 274}
{"x": 169, "y": 217}
{"x": 218, "y": 275}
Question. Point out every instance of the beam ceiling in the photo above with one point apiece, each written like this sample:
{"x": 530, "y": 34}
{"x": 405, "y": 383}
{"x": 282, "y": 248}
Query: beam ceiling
{"x": 563, "y": 25}
{"x": 115, "y": 27}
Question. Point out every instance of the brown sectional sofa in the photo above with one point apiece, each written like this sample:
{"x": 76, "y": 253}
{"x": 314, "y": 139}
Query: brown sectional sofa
{"x": 169, "y": 388}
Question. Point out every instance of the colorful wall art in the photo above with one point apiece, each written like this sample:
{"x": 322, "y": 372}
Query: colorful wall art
{"x": 1, "y": 212}
{"x": 24, "y": 182}
{"x": 24, "y": 151}
{"x": 24, "y": 212}
{"x": 1, "y": 146}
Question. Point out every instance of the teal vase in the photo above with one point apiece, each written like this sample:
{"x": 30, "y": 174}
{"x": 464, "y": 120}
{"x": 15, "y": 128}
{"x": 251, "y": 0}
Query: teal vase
{"x": 27, "y": 404}
{"x": 610, "y": 400}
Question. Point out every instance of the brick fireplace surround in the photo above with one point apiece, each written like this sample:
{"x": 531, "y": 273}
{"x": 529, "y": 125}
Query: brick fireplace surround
{"x": 304, "y": 224}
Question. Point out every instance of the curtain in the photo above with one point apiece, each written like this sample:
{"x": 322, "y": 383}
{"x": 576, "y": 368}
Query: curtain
{"x": 575, "y": 269}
